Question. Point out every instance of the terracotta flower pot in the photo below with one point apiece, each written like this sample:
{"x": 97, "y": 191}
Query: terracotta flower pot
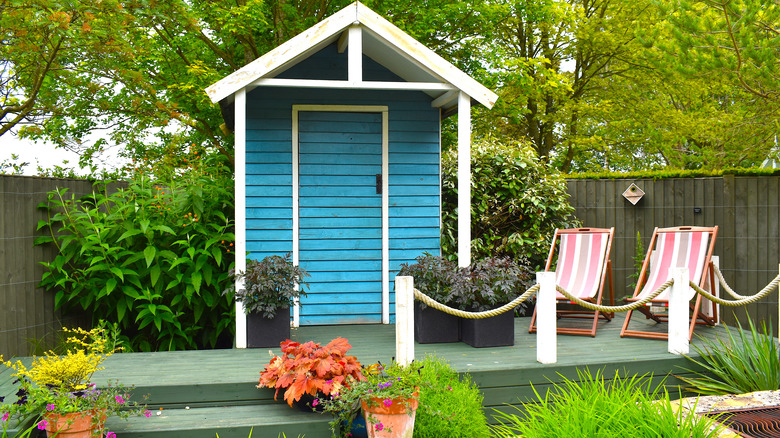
{"x": 74, "y": 425}
{"x": 395, "y": 420}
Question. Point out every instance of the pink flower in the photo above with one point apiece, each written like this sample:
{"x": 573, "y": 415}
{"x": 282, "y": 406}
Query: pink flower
{"x": 50, "y": 406}
{"x": 147, "y": 413}
{"x": 387, "y": 402}
{"x": 6, "y": 416}
{"x": 42, "y": 425}
{"x": 111, "y": 435}
{"x": 379, "y": 427}
{"x": 119, "y": 399}
{"x": 315, "y": 402}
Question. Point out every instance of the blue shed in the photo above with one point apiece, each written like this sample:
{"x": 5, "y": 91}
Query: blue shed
{"x": 338, "y": 152}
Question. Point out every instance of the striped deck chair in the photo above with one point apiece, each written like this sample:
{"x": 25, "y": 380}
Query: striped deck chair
{"x": 674, "y": 247}
{"x": 582, "y": 268}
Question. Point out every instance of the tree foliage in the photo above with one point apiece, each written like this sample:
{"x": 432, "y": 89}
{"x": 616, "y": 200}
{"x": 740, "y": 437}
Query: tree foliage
{"x": 616, "y": 84}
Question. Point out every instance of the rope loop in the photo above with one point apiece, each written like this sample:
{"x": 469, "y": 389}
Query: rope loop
{"x": 475, "y": 315}
{"x": 741, "y": 300}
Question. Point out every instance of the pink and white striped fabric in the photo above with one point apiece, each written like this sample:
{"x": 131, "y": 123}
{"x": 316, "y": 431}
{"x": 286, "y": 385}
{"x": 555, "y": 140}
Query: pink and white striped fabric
{"x": 676, "y": 250}
{"x": 581, "y": 260}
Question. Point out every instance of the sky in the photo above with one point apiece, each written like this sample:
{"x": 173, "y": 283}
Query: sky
{"x": 42, "y": 154}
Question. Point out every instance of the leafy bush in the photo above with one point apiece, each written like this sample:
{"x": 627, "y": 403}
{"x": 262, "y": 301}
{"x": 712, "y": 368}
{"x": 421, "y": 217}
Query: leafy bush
{"x": 678, "y": 173}
{"x": 517, "y": 201}
{"x": 269, "y": 285}
{"x": 593, "y": 407}
{"x": 310, "y": 368}
{"x": 153, "y": 257}
{"x": 486, "y": 284}
{"x": 495, "y": 281}
{"x": 434, "y": 276}
{"x": 449, "y": 406}
{"x": 744, "y": 364}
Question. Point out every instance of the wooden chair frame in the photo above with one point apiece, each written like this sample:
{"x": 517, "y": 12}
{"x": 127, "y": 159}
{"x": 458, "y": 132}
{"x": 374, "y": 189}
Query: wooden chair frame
{"x": 606, "y": 273}
{"x": 707, "y": 271}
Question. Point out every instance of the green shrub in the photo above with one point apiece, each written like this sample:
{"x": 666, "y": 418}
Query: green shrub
{"x": 269, "y": 285}
{"x": 449, "y": 406}
{"x": 153, "y": 257}
{"x": 593, "y": 407}
{"x": 517, "y": 201}
{"x": 486, "y": 284}
{"x": 495, "y": 281}
{"x": 434, "y": 276}
{"x": 744, "y": 364}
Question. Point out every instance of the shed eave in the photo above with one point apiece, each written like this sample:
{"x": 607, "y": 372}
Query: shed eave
{"x": 329, "y": 30}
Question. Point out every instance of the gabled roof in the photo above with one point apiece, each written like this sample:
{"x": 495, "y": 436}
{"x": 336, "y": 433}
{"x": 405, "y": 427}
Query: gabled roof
{"x": 382, "y": 41}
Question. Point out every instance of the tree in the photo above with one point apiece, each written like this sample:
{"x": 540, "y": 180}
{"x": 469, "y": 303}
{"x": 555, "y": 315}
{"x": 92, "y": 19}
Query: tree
{"x": 551, "y": 55}
{"x": 38, "y": 40}
{"x": 734, "y": 40}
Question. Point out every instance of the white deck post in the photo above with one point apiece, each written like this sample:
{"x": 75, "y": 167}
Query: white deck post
{"x": 678, "y": 312}
{"x": 404, "y": 320}
{"x": 464, "y": 179}
{"x": 546, "y": 321}
{"x": 240, "y": 209}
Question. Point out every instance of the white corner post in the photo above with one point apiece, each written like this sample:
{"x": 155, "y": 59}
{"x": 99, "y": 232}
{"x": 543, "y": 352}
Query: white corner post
{"x": 240, "y": 207}
{"x": 355, "y": 54}
{"x": 678, "y": 311}
{"x": 464, "y": 179}
{"x": 404, "y": 320}
{"x": 546, "y": 320}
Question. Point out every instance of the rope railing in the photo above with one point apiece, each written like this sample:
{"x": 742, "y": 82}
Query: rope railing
{"x": 475, "y": 315}
{"x": 743, "y": 300}
{"x": 420, "y": 296}
{"x": 740, "y": 300}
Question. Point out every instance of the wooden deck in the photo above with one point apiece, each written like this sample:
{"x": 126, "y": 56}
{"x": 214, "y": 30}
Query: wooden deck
{"x": 218, "y": 386}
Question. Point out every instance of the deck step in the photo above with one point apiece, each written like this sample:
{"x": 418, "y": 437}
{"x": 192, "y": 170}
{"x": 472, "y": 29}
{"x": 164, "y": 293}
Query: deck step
{"x": 265, "y": 421}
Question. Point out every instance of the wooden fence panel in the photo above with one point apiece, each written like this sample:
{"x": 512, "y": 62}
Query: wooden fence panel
{"x": 746, "y": 209}
{"x": 28, "y": 320}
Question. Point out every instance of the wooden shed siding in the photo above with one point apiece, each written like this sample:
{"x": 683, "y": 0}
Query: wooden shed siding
{"x": 414, "y": 182}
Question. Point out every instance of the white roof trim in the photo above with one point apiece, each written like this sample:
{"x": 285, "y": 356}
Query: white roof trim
{"x": 303, "y": 44}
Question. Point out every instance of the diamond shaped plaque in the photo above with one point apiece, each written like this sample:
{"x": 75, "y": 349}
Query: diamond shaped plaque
{"x": 633, "y": 193}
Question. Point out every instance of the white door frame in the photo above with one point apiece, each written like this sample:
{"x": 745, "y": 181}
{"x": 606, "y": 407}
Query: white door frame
{"x": 381, "y": 109}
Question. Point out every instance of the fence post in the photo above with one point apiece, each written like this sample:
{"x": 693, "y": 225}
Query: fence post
{"x": 546, "y": 320}
{"x": 678, "y": 311}
{"x": 404, "y": 320}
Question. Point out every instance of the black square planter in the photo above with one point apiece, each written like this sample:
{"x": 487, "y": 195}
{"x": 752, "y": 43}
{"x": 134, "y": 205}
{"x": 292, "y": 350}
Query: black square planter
{"x": 433, "y": 326}
{"x": 496, "y": 331}
{"x": 263, "y": 333}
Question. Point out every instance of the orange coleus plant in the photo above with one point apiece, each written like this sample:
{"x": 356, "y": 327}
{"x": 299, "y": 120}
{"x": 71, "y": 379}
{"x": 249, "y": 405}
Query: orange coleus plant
{"x": 309, "y": 368}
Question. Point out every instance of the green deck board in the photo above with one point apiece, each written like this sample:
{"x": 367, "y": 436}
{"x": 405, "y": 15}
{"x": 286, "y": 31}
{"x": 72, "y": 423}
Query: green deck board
{"x": 236, "y": 421}
{"x": 219, "y": 385}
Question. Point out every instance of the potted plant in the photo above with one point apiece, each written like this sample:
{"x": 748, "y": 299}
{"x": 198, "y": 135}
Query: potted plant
{"x": 388, "y": 398}
{"x": 57, "y": 390}
{"x": 271, "y": 287}
{"x": 434, "y": 276}
{"x": 491, "y": 283}
{"x": 309, "y": 372}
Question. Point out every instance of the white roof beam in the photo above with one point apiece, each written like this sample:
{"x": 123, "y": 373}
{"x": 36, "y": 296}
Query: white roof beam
{"x": 360, "y": 85}
{"x": 343, "y": 42}
{"x": 444, "y": 99}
